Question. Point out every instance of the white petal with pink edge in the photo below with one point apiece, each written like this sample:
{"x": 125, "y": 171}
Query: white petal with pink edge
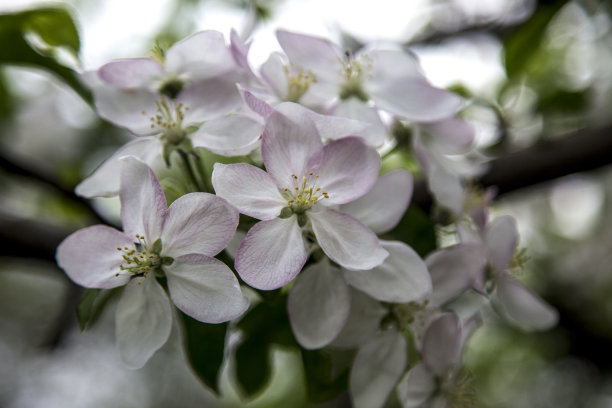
{"x": 346, "y": 240}
{"x": 272, "y": 253}
{"x": 205, "y": 289}
{"x": 131, "y": 73}
{"x": 251, "y": 190}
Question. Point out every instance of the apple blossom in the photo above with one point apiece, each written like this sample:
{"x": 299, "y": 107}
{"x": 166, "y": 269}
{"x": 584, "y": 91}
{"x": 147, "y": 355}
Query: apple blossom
{"x": 177, "y": 242}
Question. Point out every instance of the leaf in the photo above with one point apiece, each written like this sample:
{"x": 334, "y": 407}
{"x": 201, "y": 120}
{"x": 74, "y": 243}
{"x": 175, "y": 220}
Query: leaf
{"x": 327, "y": 372}
{"x": 51, "y": 27}
{"x": 415, "y": 229}
{"x": 263, "y": 326}
{"x": 563, "y": 101}
{"x": 205, "y": 347}
{"x": 92, "y": 304}
{"x": 524, "y": 43}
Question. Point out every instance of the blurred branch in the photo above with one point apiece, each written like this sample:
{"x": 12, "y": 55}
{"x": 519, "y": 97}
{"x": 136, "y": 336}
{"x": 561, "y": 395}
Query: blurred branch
{"x": 12, "y": 165}
{"x": 583, "y": 150}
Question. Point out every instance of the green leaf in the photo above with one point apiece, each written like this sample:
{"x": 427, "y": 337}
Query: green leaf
{"x": 53, "y": 27}
{"x": 264, "y": 325}
{"x": 563, "y": 101}
{"x": 205, "y": 346}
{"x": 327, "y": 372}
{"x": 417, "y": 230}
{"x": 92, "y": 304}
{"x": 523, "y": 44}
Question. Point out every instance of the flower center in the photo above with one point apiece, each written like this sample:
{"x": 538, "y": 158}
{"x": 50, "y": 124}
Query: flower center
{"x": 354, "y": 71}
{"x": 414, "y": 316}
{"x": 168, "y": 120}
{"x": 298, "y": 82}
{"x": 140, "y": 260}
{"x": 302, "y": 196}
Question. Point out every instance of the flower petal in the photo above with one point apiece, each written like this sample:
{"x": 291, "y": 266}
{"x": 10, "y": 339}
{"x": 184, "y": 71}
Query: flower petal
{"x": 290, "y": 146}
{"x": 208, "y": 99}
{"x": 316, "y": 54}
{"x": 453, "y": 270}
{"x": 131, "y": 73}
{"x": 132, "y": 110}
{"x": 523, "y": 307}
{"x": 345, "y": 240}
{"x": 378, "y": 366}
{"x": 348, "y": 170}
{"x": 318, "y": 305}
{"x": 362, "y": 322}
{"x": 144, "y": 320}
{"x": 257, "y": 105}
{"x": 105, "y": 180}
{"x": 375, "y": 134}
{"x": 90, "y": 257}
{"x": 442, "y": 343}
{"x": 251, "y": 190}
{"x": 198, "y": 223}
{"x": 273, "y": 73}
{"x": 402, "y": 277}
{"x": 205, "y": 289}
{"x": 233, "y": 135}
{"x": 501, "y": 239}
{"x": 381, "y": 208}
{"x": 454, "y": 135}
{"x": 271, "y": 254}
{"x": 415, "y": 388}
{"x": 143, "y": 204}
{"x": 201, "y": 55}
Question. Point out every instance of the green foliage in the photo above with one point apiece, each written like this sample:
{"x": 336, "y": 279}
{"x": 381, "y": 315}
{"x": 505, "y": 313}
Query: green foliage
{"x": 92, "y": 304}
{"x": 327, "y": 372}
{"x": 31, "y": 38}
{"x": 205, "y": 345}
{"x": 524, "y": 44}
{"x": 417, "y": 230}
{"x": 265, "y": 325}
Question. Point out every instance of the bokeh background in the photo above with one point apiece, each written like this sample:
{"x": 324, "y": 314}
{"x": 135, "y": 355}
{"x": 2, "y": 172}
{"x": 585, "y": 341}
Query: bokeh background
{"x": 537, "y": 77}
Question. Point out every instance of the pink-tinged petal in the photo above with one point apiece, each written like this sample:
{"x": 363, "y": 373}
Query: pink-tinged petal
{"x": 349, "y": 169}
{"x": 131, "y": 73}
{"x": 272, "y": 253}
{"x": 454, "y": 135}
{"x": 391, "y": 64}
{"x": 523, "y": 307}
{"x": 259, "y": 106}
{"x": 381, "y": 208}
{"x": 375, "y": 133}
{"x": 362, "y": 322}
{"x": 501, "y": 239}
{"x": 328, "y": 127}
{"x": 454, "y": 270}
{"x": 318, "y": 305}
{"x": 402, "y": 277}
{"x": 251, "y": 190}
{"x": 415, "y": 388}
{"x": 208, "y": 99}
{"x": 273, "y": 73}
{"x": 290, "y": 146}
{"x": 202, "y": 55}
{"x": 345, "y": 240}
{"x": 233, "y": 135}
{"x": 240, "y": 50}
{"x": 205, "y": 289}
{"x": 132, "y": 110}
{"x": 378, "y": 366}
{"x": 143, "y": 204}
{"x": 198, "y": 223}
{"x": 316, "y": 54}
{"x": 144, "y": 320}
{"x": 91, "y": 259}
{"x": 414, "y": 99}
{"x": 442, "y": 344}
{"x": 105, "y": 180}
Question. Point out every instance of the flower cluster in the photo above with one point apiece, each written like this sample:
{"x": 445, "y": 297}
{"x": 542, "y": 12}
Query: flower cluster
{"x": 300, "y": 141}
